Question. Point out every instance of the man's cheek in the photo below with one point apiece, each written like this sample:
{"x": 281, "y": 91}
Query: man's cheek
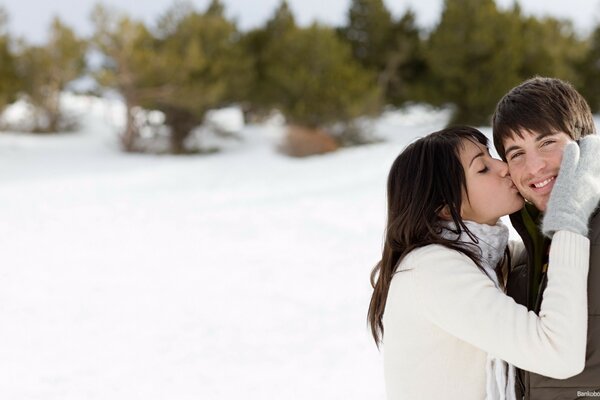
{"x": 522, "y": 188}
{"x": 512, "y": 171}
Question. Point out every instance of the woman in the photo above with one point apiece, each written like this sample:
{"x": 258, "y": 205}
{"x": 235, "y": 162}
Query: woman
{"x": 438, "y": 289}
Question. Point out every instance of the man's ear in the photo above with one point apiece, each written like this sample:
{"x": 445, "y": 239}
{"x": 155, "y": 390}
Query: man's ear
{"x": 444, "y": 213}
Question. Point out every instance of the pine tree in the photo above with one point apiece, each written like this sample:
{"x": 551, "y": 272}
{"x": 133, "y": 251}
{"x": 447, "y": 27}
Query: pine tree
{"x": 471, "y": 54}
{"x": 216, "y": 8}
{"x": 46, "y": 70}
{"x": 202, "y": 62}
{"x": 589, "y": 70}
{"x": 405, "y": 68}
{"x": 549, "y": 47}
{"x": 314, "y": 81}
{"x": 282, "y": 21}
{"x": 261, "y": 96}
{"x": 309, "y": 74}
{"x": 9, "y": 80}
{"x": 392, "y": 48}
{"x": 129, "y": 49}
{"x": 370, "y": 32}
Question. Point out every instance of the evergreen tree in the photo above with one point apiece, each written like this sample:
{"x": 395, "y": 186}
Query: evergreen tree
{"x": 216, "y": 8}
{"x": 282, "y": 20}
{"x": 590, "y": 71}
{"x": 370, "y": 32}
{"x": 391, "y": 48}
{"x": 46, "y": 70}
{"x": 471, "y": 54}
{"x": 549, "y": 47}
{"x": 129, "y": 51}
{"x": 406, "y": 67}
{"x": 261, "y": 97}
{"x": 314, "y": 81}
{"x": 9, "y": 80}
{"x": 202, "y": 63}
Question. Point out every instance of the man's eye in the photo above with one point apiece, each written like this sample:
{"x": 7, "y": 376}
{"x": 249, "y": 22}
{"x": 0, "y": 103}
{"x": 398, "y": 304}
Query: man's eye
{"x": 515, "y": 155}
{"x": 547, "y": 142}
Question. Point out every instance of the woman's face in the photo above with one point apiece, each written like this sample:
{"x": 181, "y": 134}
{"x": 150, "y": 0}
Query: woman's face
{"x": 491, "y": 192}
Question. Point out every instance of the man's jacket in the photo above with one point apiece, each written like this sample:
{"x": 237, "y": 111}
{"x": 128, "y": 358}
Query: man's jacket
{"x": 526, "y": 284}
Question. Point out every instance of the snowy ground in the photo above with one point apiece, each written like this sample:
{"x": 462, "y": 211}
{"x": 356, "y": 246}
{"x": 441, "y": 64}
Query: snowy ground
{"x": 239, "y": 275}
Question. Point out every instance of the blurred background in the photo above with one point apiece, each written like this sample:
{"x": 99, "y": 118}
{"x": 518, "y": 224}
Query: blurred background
{"x": 192, "y": 194}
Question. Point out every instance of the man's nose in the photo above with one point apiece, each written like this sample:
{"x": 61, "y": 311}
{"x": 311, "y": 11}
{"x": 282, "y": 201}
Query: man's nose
{"x": 534, "y": 164}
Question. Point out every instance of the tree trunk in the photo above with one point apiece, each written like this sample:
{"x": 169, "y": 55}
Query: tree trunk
{"x": 181, "y": 123}
{"x": 128, "y": 137}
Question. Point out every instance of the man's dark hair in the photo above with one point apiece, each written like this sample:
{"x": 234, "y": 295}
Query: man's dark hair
{"x": 541, "y": 105}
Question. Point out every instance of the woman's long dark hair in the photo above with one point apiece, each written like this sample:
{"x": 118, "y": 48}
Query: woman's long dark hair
{"x": 426, "y": 177}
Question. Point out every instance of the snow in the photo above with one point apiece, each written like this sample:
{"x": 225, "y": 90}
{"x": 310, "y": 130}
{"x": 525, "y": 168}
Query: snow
{"x": 237, "y": 275}
{"x": 230, "y": 119}
{"x": 18, "y": 115}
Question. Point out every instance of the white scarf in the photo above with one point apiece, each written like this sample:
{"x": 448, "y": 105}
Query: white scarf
{"x": 500, "y": 375}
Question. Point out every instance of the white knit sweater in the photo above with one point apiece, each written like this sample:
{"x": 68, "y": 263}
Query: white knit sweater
{"x": 443, "y": 316}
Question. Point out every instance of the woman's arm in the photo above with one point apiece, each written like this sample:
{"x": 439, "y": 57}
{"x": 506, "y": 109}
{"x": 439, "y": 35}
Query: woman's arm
{"x": 455, "y": 295}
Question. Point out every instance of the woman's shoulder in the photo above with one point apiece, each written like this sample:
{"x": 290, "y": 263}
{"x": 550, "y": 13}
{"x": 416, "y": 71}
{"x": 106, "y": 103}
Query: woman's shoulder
{"x": 432, "y": 256}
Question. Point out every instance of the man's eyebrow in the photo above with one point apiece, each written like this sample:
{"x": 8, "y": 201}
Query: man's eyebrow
{"x": 511, "y": 148}
{"x": 480, "y": 154}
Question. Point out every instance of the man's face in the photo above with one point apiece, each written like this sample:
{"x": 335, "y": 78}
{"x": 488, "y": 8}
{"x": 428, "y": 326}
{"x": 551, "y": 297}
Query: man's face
{"x": 533, "y": 163}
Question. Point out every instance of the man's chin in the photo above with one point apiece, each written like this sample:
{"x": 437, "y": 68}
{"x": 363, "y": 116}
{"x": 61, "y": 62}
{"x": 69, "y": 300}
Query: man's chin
{"x": 541, "y": 204}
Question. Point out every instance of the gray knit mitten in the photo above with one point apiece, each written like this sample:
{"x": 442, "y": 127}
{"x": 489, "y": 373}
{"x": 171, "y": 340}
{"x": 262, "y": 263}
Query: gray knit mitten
{"x": 576, "y": 193}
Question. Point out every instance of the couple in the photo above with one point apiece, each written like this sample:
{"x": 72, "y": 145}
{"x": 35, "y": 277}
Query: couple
{"x": 463, "y": 313}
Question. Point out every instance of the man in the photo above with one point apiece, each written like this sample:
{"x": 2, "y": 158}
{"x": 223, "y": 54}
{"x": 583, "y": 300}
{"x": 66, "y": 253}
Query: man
{"x": 532, "y": 124}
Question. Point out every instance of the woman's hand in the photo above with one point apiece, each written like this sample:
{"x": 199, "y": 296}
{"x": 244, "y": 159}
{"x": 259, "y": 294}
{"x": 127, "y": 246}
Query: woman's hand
{"x": 576, "y": 192}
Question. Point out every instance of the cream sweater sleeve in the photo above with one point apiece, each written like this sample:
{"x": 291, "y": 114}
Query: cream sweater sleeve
{"x": 456, "y": 296}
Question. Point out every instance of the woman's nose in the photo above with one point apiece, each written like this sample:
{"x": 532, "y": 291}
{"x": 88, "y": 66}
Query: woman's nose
{"x": 502, "y": 168}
